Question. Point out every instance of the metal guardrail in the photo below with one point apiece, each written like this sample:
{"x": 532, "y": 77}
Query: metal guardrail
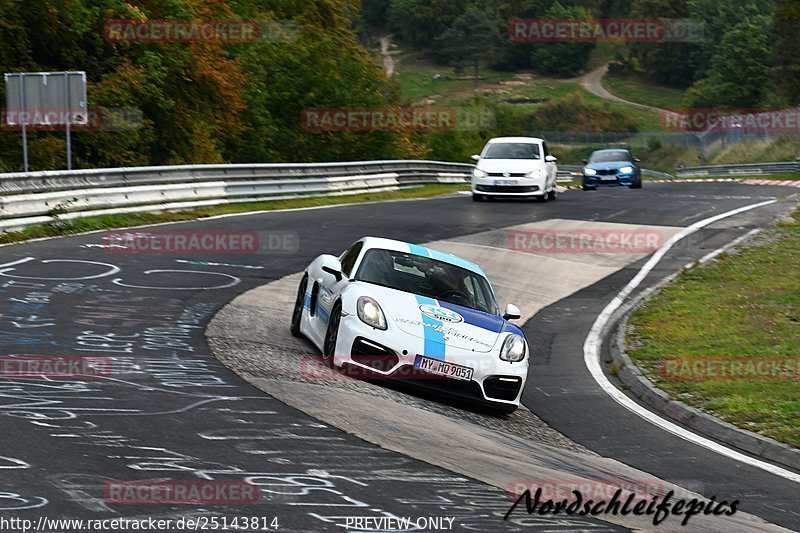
{"x": 45, "y": 197}
{"x": 749, "y": 169}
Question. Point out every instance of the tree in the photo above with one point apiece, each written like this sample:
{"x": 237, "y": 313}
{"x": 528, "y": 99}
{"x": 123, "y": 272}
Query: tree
{"x": 563, "y": 58}
{"x": 786, "y": 51}
{"x": 738, "y": 73}
{"x": 473, "y": 39}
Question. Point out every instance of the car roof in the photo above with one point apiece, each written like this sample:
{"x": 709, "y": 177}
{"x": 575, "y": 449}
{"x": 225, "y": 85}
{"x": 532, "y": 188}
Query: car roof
{"x": 529, "y": 140}
{"x": 611, "y": 150}
{"x": 416, "y": 249}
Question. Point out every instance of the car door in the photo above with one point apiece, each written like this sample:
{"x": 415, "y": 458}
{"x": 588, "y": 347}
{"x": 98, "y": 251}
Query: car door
{"x": 326, "y": 292}
{"x": 551, "y": 168}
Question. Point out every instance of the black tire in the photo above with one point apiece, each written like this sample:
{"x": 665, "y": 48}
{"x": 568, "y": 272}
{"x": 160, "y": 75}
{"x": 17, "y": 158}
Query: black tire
{"x": 297, "y": 312}
{"x": 478, "y": 197}
{"x": 637, "y": 185}
{"x": 331, "y": 335}
{"x": 553, "y": 194}
{"x": 585, "y": 188}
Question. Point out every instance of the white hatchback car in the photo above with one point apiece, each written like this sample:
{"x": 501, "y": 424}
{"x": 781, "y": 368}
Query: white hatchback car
{"x": 514, "y": 167}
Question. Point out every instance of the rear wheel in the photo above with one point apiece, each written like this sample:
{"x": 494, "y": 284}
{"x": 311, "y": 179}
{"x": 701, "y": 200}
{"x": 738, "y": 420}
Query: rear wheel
{"x": 332, "y": 335}
{"x": 297, "y": 312}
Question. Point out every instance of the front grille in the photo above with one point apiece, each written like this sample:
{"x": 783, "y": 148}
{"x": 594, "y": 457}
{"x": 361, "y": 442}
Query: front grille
{"x": 507, "y": 189}
{"x": 502, "y": 387}
{"x": 373, "y": 355}
{"x": 459, "y": 387}
{"x": 607, "y": 172}
{"x": 510, "y": 174}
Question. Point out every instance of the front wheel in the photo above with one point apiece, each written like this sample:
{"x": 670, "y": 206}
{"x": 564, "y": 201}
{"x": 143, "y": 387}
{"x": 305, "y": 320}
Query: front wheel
{"x": 332, "y": 335}
{"x": 553, "y": 195}
{"x": 637, "y": 185}
{"x": 297, "y": 312}
{"x": 477, "y": 197}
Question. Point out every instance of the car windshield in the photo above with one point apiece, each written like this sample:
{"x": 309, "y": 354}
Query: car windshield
{"x": 427, "y": 277}
{"x": 512, "y": 151}
{"x": 605, "y": 157}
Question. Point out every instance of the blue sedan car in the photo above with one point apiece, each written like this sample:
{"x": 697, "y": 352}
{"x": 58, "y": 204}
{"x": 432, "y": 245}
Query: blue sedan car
{"x": 614, "y": 166}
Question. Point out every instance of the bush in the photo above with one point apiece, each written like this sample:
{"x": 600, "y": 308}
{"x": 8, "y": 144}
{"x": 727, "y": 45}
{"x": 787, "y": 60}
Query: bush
{"x": 573, "y": 113}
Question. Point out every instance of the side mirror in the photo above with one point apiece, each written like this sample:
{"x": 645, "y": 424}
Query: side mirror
{"x": 585, "y": 161}
{"x": 512, "y": 312}
{"x": 550, "y": 159}
{"x": 637, "y": 160}
{"x": 332, "y": 266}
{"x": 476, "y": 157}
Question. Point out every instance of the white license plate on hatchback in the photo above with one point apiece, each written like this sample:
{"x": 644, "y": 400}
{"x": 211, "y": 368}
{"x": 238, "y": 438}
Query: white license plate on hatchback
{"x": 508, "y": 183}
{"x": 443, "y": 368}
{"x": 608, "y": 178}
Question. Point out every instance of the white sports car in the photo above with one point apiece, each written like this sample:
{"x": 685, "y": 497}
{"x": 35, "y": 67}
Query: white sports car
{"x": 391, "y": 309}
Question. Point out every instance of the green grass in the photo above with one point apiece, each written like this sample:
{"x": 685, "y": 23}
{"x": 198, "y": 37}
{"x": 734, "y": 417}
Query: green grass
{"x": 101, "y": 222}
{"x": 741, "y": 307}
{"x": 415, "y": 74}
{"x": 643, "y": 92}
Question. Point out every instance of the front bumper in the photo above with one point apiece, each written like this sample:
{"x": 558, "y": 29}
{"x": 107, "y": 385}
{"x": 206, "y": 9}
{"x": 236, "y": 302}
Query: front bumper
{"x": 521, "y": 187}
{"x": 370, "y": 353}
{"x": 615, "y": 180}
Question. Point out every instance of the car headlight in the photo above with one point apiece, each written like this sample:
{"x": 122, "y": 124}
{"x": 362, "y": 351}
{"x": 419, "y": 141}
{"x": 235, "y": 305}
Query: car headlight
{"x": 626, "y": 170}
{"x": 371, "y": 313}
{"x": 478, "y": 173}
{"x": 589, "y": 171}
{"x": 538, "y": 173}
{"x": 514, "y": 349}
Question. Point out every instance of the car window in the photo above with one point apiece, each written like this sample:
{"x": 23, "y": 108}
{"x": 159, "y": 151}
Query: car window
{"x": 349, "y": 258}
{"x": 427, "y": 277}
{"x": 613, "y": 155}
{"x": 512, "y": 151}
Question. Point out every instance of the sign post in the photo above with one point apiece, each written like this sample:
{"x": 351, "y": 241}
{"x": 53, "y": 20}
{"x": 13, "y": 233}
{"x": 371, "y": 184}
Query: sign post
{"x": 46, "y": 99}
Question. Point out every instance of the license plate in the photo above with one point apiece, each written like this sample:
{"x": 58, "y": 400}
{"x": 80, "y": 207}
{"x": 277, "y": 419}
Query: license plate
{"x": 608, "y": 178}
{"x": 443, "y": 368}
{"x": 506, "y": 182}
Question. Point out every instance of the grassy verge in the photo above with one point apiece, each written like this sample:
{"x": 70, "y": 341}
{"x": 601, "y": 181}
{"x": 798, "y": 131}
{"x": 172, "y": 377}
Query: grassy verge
{"x": 643, "y": 92}
{"x": 520, "y": 93}
{"x": 741, "y": 308}
{"x": 101, "y": 222}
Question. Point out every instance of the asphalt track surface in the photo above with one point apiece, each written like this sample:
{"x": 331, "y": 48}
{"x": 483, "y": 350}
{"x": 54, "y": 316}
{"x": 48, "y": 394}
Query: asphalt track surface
{"x": 168, "y": 410}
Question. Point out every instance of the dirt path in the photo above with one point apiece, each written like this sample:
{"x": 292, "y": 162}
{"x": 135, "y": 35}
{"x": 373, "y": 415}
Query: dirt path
{"x": 593, "y": 82}
{"x": 388, "y": 60}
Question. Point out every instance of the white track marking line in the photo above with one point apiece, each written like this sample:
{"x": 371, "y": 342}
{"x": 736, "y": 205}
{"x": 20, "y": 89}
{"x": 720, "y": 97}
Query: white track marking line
{"x": 591, "y": 356}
